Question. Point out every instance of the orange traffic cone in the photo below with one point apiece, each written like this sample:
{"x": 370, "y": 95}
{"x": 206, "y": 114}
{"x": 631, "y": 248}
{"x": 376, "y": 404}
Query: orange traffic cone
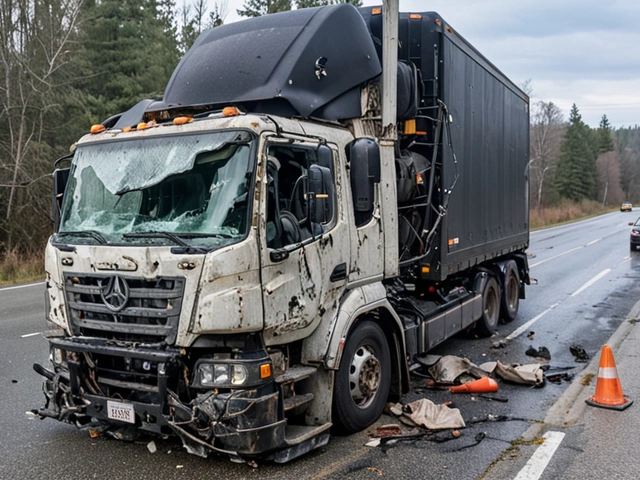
{"x": 483, "y": 385}
{"x": 608, "y": 388}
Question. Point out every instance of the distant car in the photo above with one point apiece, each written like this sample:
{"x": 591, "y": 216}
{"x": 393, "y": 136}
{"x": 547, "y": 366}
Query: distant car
{"x": 626, "y": 207}
{"x": 635, "y": 234}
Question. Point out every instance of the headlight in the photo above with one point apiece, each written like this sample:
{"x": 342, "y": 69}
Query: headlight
{"x": 231, "y": 374}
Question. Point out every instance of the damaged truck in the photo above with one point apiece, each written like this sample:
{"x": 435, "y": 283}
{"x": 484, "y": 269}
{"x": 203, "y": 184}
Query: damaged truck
{"x": 320, "y": 197}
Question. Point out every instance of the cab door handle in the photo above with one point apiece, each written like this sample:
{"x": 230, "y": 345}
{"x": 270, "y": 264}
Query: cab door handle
{"x": 339, "y": 273}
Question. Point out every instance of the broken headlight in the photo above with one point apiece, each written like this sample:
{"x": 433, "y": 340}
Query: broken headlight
{"x": 212, "y": 373}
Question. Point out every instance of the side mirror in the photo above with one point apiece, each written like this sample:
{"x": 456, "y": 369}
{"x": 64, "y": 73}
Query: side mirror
{"x": 364, "y": 160}
{"x": 60, "y": 179}
{"x": 320, "y": 196}
{"x": 631, "y": 224}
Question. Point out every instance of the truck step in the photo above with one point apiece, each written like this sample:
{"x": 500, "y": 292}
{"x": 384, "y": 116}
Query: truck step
{"x": 297, "y": 401}
{"x": 295, "y": 374}
{"x": 295, "y": 434}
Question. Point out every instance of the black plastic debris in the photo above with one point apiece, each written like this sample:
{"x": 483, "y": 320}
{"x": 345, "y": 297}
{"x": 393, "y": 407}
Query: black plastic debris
{"x": 580, "y": 353}
{"x": 542, "y": 352}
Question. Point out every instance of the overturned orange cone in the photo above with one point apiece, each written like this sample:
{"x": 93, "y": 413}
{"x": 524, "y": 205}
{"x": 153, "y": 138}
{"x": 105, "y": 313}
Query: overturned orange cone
{"x": 608, "y": 388}
{"x": 483, "y": 385}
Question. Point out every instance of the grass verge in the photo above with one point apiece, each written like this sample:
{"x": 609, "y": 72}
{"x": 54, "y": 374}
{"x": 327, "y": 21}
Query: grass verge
{"x": 19, "y": 267}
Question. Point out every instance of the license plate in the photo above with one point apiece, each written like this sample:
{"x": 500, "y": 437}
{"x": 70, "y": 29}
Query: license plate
{"x": 123, "y": 412}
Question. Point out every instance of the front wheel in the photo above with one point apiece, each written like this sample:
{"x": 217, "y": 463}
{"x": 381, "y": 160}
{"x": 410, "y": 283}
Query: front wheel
{"x": 363, "y": 380}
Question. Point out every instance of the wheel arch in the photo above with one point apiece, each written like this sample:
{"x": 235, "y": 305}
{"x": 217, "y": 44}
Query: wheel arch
{"x": 382, "y": 313}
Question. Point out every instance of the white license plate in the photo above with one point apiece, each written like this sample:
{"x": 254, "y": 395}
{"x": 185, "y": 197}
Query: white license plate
{"x": 121, "y": 411}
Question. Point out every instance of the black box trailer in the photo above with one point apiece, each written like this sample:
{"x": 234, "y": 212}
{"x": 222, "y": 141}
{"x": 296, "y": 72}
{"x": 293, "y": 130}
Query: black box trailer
{"x": 484, "y": 151}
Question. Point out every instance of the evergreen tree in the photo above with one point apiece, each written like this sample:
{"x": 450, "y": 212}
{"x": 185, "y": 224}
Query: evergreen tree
{"x": 605, "y": 136}
{"x": 576, "y": 171}
{"x": 257, "y": 8}
{"x": 130, "y": 53}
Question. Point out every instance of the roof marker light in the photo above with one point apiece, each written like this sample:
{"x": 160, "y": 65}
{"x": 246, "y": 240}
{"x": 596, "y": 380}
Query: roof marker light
{"x": 376, "y": 11}
{"x": 99, "y": 128}
{"x": 230, "y": 111}
{"x": 182, "y": 120}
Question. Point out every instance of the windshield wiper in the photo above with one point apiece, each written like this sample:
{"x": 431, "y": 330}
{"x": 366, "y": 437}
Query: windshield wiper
{"x": 176, "y": 239}
{"x": 206, "y": 235}
{"x": 86, "y": 233}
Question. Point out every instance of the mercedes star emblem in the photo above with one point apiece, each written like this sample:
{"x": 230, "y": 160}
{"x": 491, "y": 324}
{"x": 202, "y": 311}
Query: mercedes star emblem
{"x": 115, "y": 293}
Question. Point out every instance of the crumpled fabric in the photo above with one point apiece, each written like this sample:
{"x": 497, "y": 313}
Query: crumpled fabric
{"x": 427, "y": 414}
{"x": 529, "y": 374}
{"x": 450, "y": 367}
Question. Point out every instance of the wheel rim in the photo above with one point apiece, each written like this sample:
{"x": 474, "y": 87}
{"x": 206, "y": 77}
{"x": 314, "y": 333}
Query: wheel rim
{"x": 512, "y": 291}
{"x": 491, "y": 307}
{"x": 364, "y": 376}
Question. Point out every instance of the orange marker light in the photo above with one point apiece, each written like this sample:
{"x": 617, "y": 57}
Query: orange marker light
{"x": 98, "y": 128}
{"x": 182, "y": 120}
{"x": 230, "y": 111}
{"x": 425, "y": 269}
{"x": 410, "y": 127}
{"x": 127, "y": 129}
{"x": 265, "y": 370}
{"x": 141, "y": 126}
{"x": 415, "y": 16}
{"x": 376, "y": 11}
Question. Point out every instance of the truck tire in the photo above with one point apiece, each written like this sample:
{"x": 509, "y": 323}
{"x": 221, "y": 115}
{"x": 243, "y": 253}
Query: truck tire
{"x": 486, "y": 325}
{"x": 510, "y": 302}
{"x": 363, "y": 380}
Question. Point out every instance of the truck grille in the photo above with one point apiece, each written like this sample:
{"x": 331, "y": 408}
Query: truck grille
{"x": 149, "y": 313}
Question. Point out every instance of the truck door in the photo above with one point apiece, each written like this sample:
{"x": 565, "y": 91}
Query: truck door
{"x": 305, "y": 246}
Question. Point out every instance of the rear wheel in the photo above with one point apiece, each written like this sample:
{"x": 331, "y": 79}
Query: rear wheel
{"x": 486, "y": 325}
{"x": 510, "y": 301}
{"x": 363, "y": 380}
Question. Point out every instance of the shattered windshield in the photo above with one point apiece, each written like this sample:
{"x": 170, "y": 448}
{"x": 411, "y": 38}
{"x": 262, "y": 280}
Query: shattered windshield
{"x": 178, "y": 190}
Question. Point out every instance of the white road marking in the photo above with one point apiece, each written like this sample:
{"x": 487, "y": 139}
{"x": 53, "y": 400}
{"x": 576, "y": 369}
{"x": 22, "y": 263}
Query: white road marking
{"x": 30, "y": 335}
{"x": 523, "y": 328}
{"x": 556, "y": 256}
{"x": 541, "y": 457}
{"x": 22, "y": 286}
{"x": 591, "y": 282}
{"x": 593, "y": 241}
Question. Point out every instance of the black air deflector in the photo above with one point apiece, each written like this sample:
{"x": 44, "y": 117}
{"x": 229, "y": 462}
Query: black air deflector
{"x": 309, "y": 62}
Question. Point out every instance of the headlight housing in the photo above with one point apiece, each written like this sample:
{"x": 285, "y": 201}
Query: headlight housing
{"x": 212, "y": 373}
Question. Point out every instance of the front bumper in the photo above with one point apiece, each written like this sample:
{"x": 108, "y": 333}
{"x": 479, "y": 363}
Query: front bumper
{"x": 243, "y": 423}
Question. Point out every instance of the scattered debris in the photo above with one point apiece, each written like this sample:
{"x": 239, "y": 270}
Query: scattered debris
{"x": 31, "y": 415}
{"x": 586, "y": 379}
{"x": 373, "y": 443}
{"x": 93, "y": 433}
{"x": 632, "y": 320}
{"x": 541, "y": 353}
{"x": 252, "y": 464}
{"x": 449, "y": 368}
{"x": 531, "y": 334}
{"x": 499, "y": 344}
{"x": 529, "y": 374}
{"x": 478, "y": 438}
{"x": 427, "y": 414}
{"x": 376, "y": 470}
{"x": 494, "y": 398}
{"x": 388, "y": 430}
{"x": 152, "y": 446}
{"x": 580, "y": 353}
{"x": 455, "y": 433}
{"x": 179, "y": 466}
{"x": 14, "y": 381}
{"x": 558, "y": 377}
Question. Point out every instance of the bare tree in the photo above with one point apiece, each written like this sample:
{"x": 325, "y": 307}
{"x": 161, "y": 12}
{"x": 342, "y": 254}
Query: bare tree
{"x": 35, "y": 44}
{"x": 547, "y": 130}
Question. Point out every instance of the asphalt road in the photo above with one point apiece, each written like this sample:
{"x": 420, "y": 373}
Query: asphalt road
{"x": 587, "y": 285}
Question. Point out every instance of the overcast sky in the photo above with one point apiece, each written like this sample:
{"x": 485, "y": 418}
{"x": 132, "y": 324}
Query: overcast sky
{"x": 573, "y": 51}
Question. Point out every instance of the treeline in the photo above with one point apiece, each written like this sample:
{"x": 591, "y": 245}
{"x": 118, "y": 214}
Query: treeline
{"x": 571, "y": 161}
{"x": 68, "y": 64}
